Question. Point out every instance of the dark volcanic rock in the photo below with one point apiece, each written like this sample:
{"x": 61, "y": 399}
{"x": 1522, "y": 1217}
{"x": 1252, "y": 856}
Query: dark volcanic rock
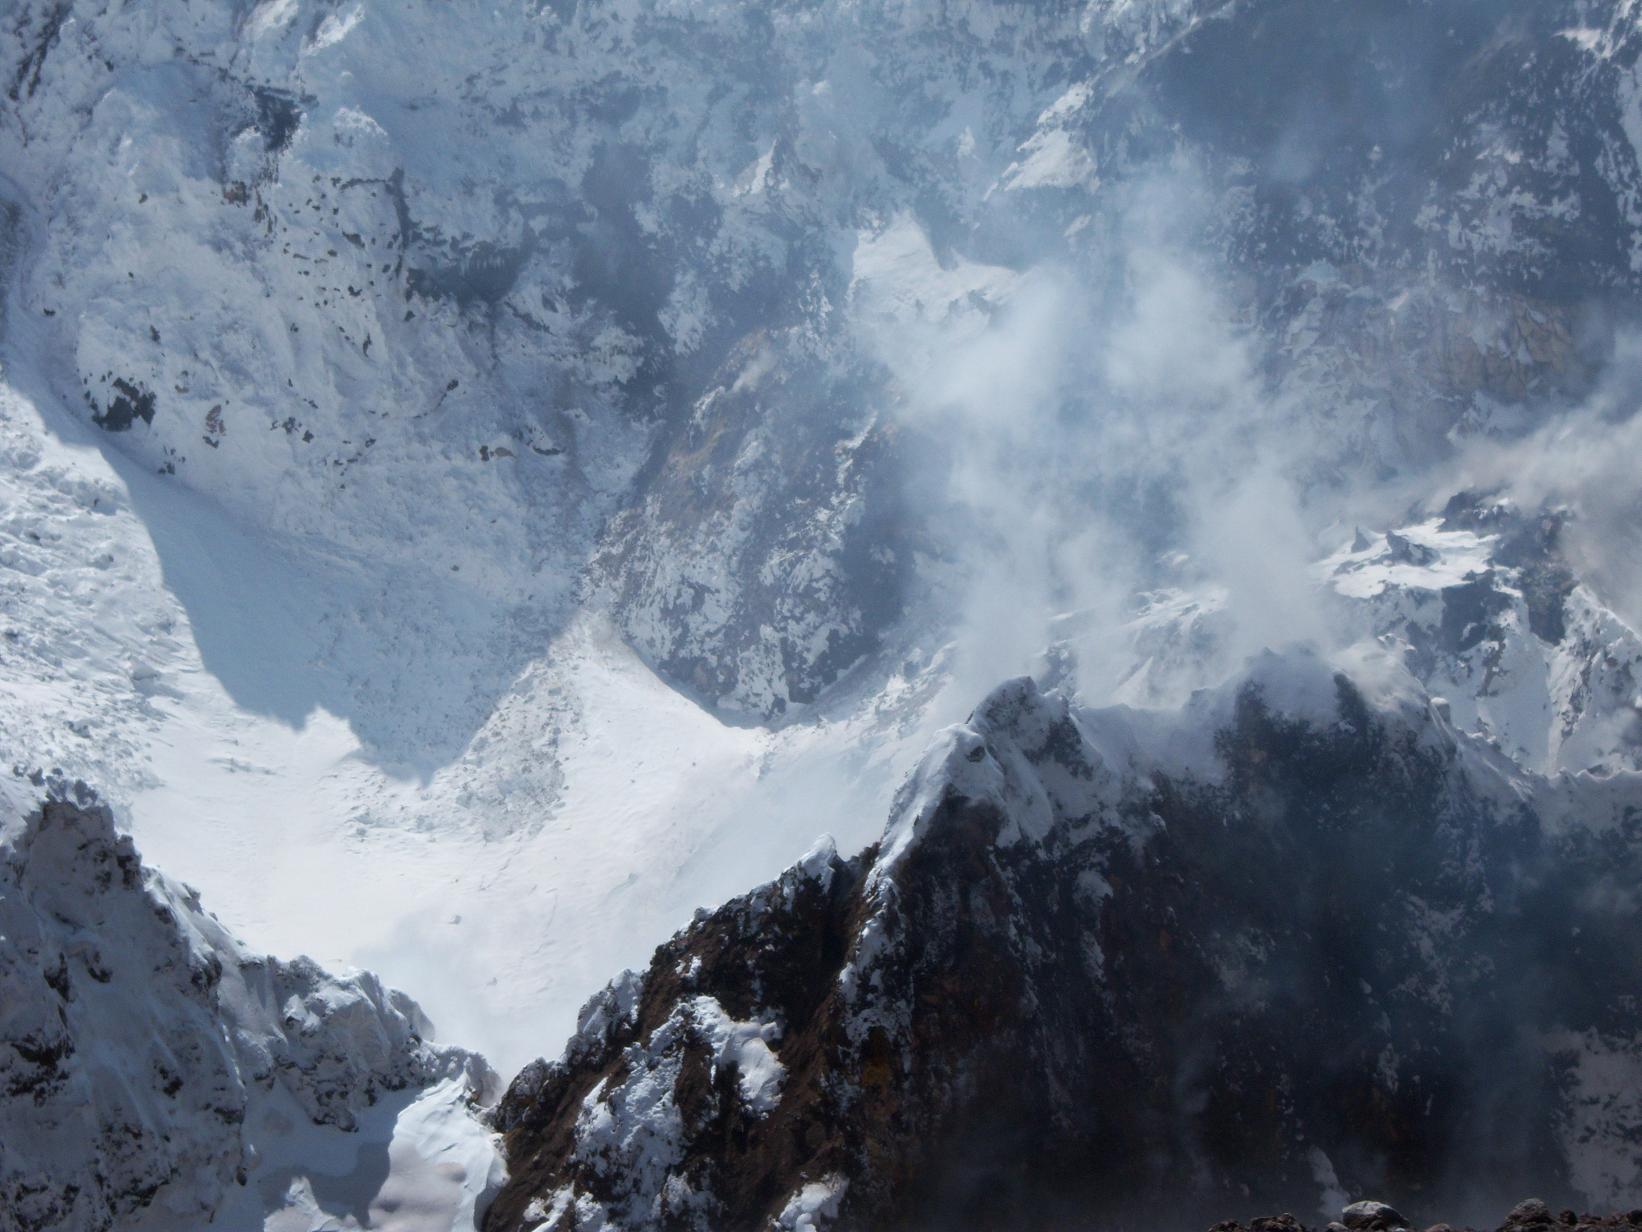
{"x": 1370, "y": 1216}
{"x": 1525, "y": 1216}
{"x": 1080, "y": 983}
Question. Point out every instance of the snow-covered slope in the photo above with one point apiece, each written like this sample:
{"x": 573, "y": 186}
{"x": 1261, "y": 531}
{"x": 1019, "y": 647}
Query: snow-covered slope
{"x": 667, "y": 304}
{"x": 642, "y": 281}
{"x": 1486, "y": 610}
{"x": 1481, "y": 602}
{"x": 154, "y": 1073}
{"x": 196, "y": 675}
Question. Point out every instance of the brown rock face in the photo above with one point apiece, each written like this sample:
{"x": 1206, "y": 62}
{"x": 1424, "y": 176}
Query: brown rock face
{"x": 1076, "y": 986}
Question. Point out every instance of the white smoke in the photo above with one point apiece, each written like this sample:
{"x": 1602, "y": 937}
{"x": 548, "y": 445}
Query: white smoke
{"x": 1085, "y": 417}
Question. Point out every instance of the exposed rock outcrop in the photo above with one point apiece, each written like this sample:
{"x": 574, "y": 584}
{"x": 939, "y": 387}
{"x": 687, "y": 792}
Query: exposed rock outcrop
{"x": 1109, "y": 969}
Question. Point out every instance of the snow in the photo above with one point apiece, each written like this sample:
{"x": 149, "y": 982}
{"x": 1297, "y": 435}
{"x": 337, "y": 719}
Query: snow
{"x": 959, "y": 764}
{"x": 168, "y": 1059}
{"x": 747, "y": 1046}
{"x": 420, "y": 1165}
{"x": 336, "y": 667}
{"x": 589, "y": 812}
{"x": 1363, "y": 574}
{"x": 814, "y": 1206}
{"x": 897, "y": 277}
{"x": 550, "y": 847}
{"x": 1562, "y": 705}
{"x": 240, "y": 712}
{"x": 1053, "y": 159}
{"x": 634, "y": 1132}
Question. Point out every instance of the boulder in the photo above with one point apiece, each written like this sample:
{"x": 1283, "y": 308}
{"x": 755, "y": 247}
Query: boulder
{"x": 1529, "y": 1211}
{"x": 1367, "y": 1216}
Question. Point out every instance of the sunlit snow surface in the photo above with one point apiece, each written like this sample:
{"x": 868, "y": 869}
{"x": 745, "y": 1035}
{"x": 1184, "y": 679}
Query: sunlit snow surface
{"x": 586, "y": 818}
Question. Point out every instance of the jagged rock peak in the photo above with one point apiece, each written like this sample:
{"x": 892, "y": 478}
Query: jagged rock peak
{"x": 1079, "y": 988}
{"x": 150, "y": 1065}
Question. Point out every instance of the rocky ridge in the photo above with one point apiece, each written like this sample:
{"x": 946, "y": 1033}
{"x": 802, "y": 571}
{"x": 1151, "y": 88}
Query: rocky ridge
{"x": 1481, "y": 601}
{"x": 156, "y": 1074}
{"x": 1104, "y": 969}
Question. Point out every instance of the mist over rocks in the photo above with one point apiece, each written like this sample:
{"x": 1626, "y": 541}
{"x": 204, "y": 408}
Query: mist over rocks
{"x": 694, "y": 359}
